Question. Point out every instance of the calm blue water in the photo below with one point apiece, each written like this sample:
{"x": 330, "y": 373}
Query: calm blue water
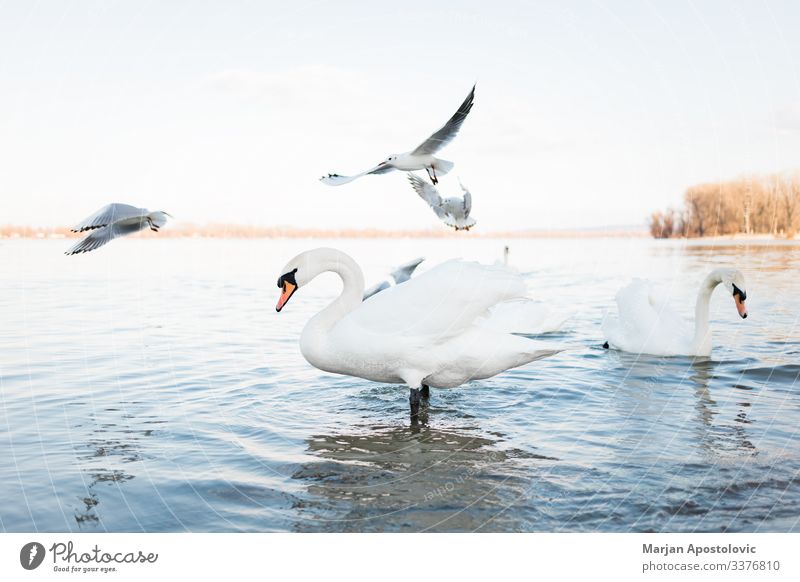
{"x": 150, "y": 386}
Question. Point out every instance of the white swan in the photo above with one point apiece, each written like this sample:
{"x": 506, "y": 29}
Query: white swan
{"x": 647, "y": 324}
{"x": 425, "y": 332}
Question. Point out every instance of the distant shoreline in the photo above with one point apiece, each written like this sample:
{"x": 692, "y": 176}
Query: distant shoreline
{"x": 765, "y": 237}
{"x": 257, "y": 232}
{"x": 248, "y": 232}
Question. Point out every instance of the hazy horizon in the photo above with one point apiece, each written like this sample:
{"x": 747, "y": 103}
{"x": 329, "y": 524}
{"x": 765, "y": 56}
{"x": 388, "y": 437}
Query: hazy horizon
{"x": 587, "y": 115}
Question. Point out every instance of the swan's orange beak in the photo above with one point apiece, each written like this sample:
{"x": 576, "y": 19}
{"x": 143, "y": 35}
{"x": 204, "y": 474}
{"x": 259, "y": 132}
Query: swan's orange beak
{"x": 288, "y": 290}
{"x": 740, "y": 306}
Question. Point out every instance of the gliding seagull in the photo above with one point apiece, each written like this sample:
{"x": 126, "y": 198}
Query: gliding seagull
{"x": 115, "y": 220}
{"x": 420, "y": 157}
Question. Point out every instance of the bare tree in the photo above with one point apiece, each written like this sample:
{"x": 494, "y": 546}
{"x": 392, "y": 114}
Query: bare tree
{"x": 753, "y": 204}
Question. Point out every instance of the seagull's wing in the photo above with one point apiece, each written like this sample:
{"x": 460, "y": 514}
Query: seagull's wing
{"x": 467, "y": 200}
{"x": 403, "y": 273}
{"x": 448, "y": 131}
{"x": 96, "y": 239}
{"x": 103, "y": 235}
{"x": 375, "y": 289}
{"x": 338, "y": 180}
{"x": 108, "y": 215}
{"x": 426, "y": 191}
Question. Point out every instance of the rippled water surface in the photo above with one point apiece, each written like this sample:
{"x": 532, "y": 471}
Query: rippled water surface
{"x": 150, "y": 386}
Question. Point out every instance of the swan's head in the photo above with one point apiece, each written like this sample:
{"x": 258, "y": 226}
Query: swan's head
{"x": 288, "y": 285}
{"x": 297, "y": 273}
{"x": 302, "y": 269}
{"x": 733, "y": 281}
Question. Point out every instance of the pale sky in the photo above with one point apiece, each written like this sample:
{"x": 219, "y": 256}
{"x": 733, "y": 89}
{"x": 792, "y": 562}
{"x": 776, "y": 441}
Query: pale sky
{"x": 587, "y": 114}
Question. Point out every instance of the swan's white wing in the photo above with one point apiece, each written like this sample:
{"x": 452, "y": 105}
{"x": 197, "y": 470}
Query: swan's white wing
{"x": 523, "y": 316}
{"x": 448, "y": 131}
{"x": 109, "y": 215}
{"x": 403, "y": 273}
{"x": 646, "y": 322}
{"x": 440, "y": 303}
{"x": 338, "y": 180}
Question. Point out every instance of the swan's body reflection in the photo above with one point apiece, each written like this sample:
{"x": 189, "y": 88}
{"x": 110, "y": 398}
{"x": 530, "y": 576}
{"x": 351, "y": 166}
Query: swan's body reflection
{"x": 726, "y": 434}
{"x": 721, "y": 419}
{"x": 391, "y": 478}
{"x": 107, "y": 457}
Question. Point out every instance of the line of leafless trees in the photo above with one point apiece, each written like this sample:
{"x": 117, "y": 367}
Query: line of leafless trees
{"x": 754, "y": 205}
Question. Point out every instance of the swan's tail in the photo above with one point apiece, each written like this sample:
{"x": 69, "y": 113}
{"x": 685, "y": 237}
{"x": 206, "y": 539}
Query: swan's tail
{"x": 525, "y": 317}
{"x": 543, "y": 353}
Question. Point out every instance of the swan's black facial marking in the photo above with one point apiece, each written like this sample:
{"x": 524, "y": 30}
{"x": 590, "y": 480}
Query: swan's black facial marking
{"x": 739, "y": 297}
{"x": 288, "y": 277}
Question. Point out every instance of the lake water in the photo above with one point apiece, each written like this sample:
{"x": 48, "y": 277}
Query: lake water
{"x": 151, "y": 386}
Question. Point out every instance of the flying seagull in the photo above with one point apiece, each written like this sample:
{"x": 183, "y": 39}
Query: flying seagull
{"x": 452, "y": 211}
{"x": 112, "y": 221}
{"x": 400, "y": 275}
{"x": 420, "y": 157}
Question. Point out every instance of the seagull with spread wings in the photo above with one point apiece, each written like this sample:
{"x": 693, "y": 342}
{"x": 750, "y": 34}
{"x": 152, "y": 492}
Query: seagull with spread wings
{"x": 112, "y": 221}
{"x": 420, "y": 157}
{"x": 452, "y": 211}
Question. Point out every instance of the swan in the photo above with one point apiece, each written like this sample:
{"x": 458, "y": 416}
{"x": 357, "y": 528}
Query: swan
{"x": 647, "y": 324}
{"x": 426, "y": 332}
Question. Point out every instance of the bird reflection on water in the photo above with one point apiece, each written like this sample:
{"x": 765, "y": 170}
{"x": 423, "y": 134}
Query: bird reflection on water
{"x": 416, "y": 478}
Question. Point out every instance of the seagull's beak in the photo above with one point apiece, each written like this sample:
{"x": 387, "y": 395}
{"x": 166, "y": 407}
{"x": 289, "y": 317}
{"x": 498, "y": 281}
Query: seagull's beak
{"x": 288, "y": 290}
{"x": 740, "y": 306}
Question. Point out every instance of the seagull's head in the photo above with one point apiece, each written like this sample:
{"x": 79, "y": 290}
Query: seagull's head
{"x": 390, "y": 159}
{"x": 158, "y": 219}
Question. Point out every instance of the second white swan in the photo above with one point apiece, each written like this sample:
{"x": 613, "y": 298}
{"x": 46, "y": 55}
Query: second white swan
{"x": 647, "y": 324}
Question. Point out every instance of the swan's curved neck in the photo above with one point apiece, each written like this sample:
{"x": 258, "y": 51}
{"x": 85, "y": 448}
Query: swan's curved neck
{"x": 324, "y": 260}
{"x": 702, "y": 334}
